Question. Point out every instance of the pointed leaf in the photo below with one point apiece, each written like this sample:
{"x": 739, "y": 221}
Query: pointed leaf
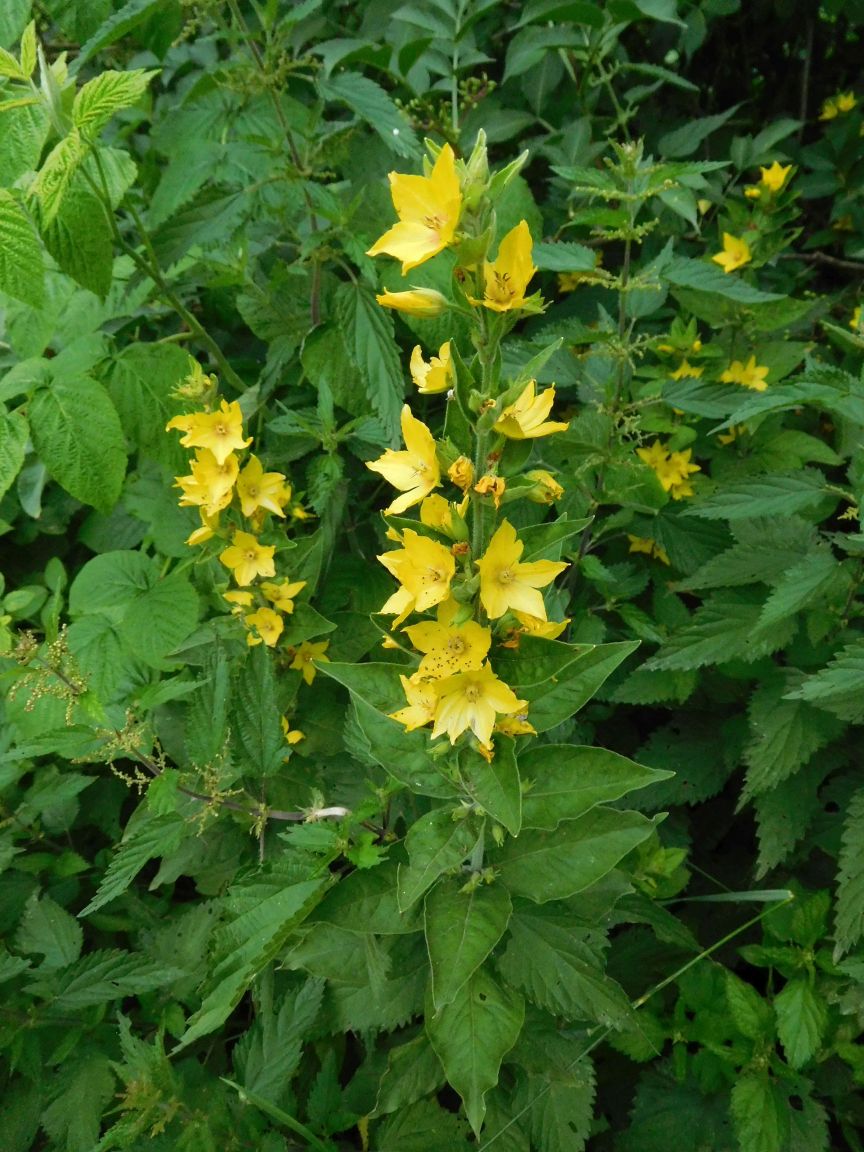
{"x": 495, "y": 785}
{"x": 435, "y": 843}
{"x": 462, "y": 928}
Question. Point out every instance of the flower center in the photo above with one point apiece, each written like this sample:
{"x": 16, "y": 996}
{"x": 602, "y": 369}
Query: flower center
{"x": 472, "y": 693}
{"x": 506, "y": 576}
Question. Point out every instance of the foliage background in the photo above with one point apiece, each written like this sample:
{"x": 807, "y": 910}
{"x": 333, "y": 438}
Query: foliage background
{"x": 216, "y": 197}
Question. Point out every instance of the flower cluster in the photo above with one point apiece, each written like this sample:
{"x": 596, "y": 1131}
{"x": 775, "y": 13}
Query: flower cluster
{"x": 838, "y": 105}
{"x": 672, "y": 469}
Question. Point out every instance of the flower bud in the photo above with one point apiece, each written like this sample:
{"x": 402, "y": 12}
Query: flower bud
{"x": 422, "y": 302}
{"x": 544, "y": 489}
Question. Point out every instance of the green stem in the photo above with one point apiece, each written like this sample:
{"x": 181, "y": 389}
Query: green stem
{"x": 278, "y": 1115}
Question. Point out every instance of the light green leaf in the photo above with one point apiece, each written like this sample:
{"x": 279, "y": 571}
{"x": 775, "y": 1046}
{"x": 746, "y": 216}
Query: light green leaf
{"x": 51, "y": 931}
{"x": 97, "y": 100}
{"x": 435, "y": 844}
{"x": 159, "y": 620}
{"x": 472, "y": 1035}
{"x": 80, "y": 240}
{"x": 760, "y": 1113}
{"x": 462, "y": 928}
{"x": 802, "y": 1017}
{"x": 372, "y": 104}
{"x": 751, "y": 1014}
{"x": 566, "y": 781}
{"x": 14, "y": 434}
{"x": 554, "y": 865}
{"x": 22, "y": 268}
{"x": 141, "y": 382}
{"x": 563, "y": 257}
{"x": 495, "y": 786}
{"x": 55, "y": 177}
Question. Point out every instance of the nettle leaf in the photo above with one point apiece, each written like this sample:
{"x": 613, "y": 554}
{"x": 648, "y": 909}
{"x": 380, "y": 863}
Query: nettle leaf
{"x": 802, "y": 1017}
{"x": 102, "y": 976}
{"x": 784, "y": 815}
{"x": 369, "y": 336}
{"x": 751, "y": 1015}
{"x": 561, "y": 1107}
{"x": 77, "y": 434}
{"x": 391, "y": 1000}
{"x": 839, "y": 687}
{"x": 804, "y": 584}
{"x": 462, "y": 928}
{"x": 267, "y": 1056}
{"x": 557, "y": 968}
{"x": 765, "y": 549}
{"x": 566, "y": 781}
{"x": 554, "y": 865}
{"x": 435, "y": 843}
{"x": 14, "y": 434}
{"x": 145, "y": 839}
{"x": 83, "y": 1089}
{"x": 668, "y": 1113}
{"x": 51, "y": 931}
{"x": 849, "y": 926}
{"x": 109, "y": 92}
{"x": 365, "y": 901}
{"x": 256, "y": 713}
{"x": 423, "y": 1127}
{"x": 22, "y": 267}
{"x": 779, "y": 494}
{"x": 372, "y": 104}
{"x": 472, "y": 1035}
{"x": 705, "y": 277}
{"x": 760, "y": 1112}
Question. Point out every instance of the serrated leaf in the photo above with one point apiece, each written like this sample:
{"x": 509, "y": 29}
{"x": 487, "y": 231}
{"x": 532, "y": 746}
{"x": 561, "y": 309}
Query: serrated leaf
{"x": 472, "y": 1035}
{"x": 97, "y": 100}
{"x": 365, "y": 901}
{"x": 704, "y": 277}
{"x": 839, "y": 687}
{"x": 562, "y": 1108}
{"x": 784, "y": 815}
{"x": 14, "y": 434}
{"x": 51, "y": 931}
{"x": 850, "y": 880}
{"x": 802, "y": 1017}
{"x": 22, "y": 267}
{"x": 461, "y": 929}
{"x": 725, "y": 627}
{"x": 77, "y": 434}
{"x": 79, "y": 238}
{"x": 144, "y": 840}
{"x": 268, "y": 1055}
{"x": 423, "y": 1127}
{"x": 55, "y": 177}
{"x": 132, "y": 14}
{"x": 413, "y": 1071}
{"x": 372, "y": 104}
{"x": 760, "y": 1113}
{"x": 369, "y": 338}
{"x": 435, "y": 844}
{"x": 765, "y": 550}
{"x": 779, "y": 494}
{"x": 73, "y": 1118}
{"x": 799, "y": 587}
{"x": 257, "y": 714}
{"x": 751, "y": 1015}
{"x": 100, "y": 977}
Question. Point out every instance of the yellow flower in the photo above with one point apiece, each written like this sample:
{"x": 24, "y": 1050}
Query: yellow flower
{"x": 259, "y": 489}
{"x": 846, "y": 101}
{"x": 774, "y": 178}
{"x": 305, "y": 653}
{"x": 415, "y": 471}
{"x": 239, "y": 599}
{"x": 506, "y": 584}
{"x": 524, "y": 418}
{"x": 672, "y": 469}
{"x": 856, "y": 322}
{"x": 732, "y": 435}
{"x": 444, "y": 516}
{"x": 298, "y": 512}
{"x": 449, "y": 648}
{"x": 267, "y": 623}
{"x": 221, "y": 432}
{"x": 461, "y": 472}
{"x": 422, "y": 698}
{"x": 752, "y": 192}
{"x": 292, "y": 735}
{"x": 750, "y": 375}
{"x": 493, "y": 486}
{"x": 209, "y": 524}
{"x": 649, "y": 547}
{"x": 507, "y": 277}
{"x": 515, "y": 726}
{"x": 540, "y": 627}
{"x": 211, "y": 483}
{"x": 569, "y": 281}
{"x": 829, "y": 109}
{"x": 428, "y": 208}
{"x": 546, "y": 489}
{"x": 281, "y": 595}
{"x": 424, "y": 568}
{"x": 472, "y": 700}
{"x": 247, "y": 558}
{"x": 735, "y": 254}
{"x": 420, "y": 302}
{"x": 686, "y": 369}
{"x": 436, "y": 376}
{"x": 655, "y": 456}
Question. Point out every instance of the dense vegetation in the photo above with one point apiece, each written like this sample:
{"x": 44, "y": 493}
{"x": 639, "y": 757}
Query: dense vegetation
{"x": 431, "y": 630}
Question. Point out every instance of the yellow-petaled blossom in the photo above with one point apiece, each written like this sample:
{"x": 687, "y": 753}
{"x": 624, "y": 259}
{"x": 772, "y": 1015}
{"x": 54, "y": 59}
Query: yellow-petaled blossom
{"x": 473, "y": 700}
{"x": 540, "y": 627}
{"x": 846, "y": 101}
{"x": 400, "y": 605}
{"x": 240, "y": 600}
{"x": 735, "y": 254}
{"x": 545, "y": 488}
{"x": 514, "y": 726}
{"x": 267, "y": 623}
{"x": 209, "y": 525}
{"x": 247, "y": 558}
{"x": 750, "y": 375}
{"x": 672, "y": 469}
{"x": 220, "y": 432}
{"x": 420, "y": 302}
{"x": 291, "y": 735}
{"x": 525, "y": 418}
{"x": 305, "y": 653}
{"x": 505, "y": 584}
{"x": 752, "y": 192}
{"x": 422, "y": 697}
{"x": 444, "y": 516}
{"x": 281, "y": 595}
{"x": 493, "y": 486}
{"x": 856, "y": 322}
{"x": 428, "y": 208}
{"x": 837, "y": 105}
{"x": 424, "y": 568}
{"x": 415, "y": 470}
{"x": 259, "y": 489}
{"x": 435, "y": 376}
{"x": 507, "y": 278}
{"x": 649, "y": 547}
{"x": 461, "y": 472}
{"x": 211, "y": 483}
{"x": 686, "y": 369}
{"x": 449, "y": 648}
{"x": 774, "y": 178}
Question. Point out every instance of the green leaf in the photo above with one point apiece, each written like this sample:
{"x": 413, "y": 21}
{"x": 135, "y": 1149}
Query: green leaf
{"x": 268, "y": 1055}
{"x": 685, "y": 140}
{"x": 725, "y": 627}
{"x": 462, "y": 928}
{"x": 554, "y": 964}
{"x": 566, "y": 781}
{"x": 145, "y": 839}
{"x": 435, "y": 843}
{"x": 802, "y": 1017}
{"x": 764, "y": 550}
{"x": 159, "y": 620}
{"x": 14, "y": 15}
{"x": 14, "y": 434}
{"x": 84, "y": 1089}
{"x": 704, "y": 277}
{"x": 849, "y": 926}
{"x": 97, "y": 100}
{"x": 472, "y": 1035}
{"x": 413, "y": 1071}
{"x": 554, "y": 865}
{"x": 372, "y": 104}
{"x": 778, "y": 494}
{"x": 561, "y": 1108}
{"x": 799, "y": 587}
{"x": 423, "y": 1127}
{"x": 51, "y": 931}
{"x": 132, "y": 14}
{"x": 495, "y": 786}
{"x": 365, "y": 901}
{"x": 563, "y": 257}
{"x": 22, "y": 268}
{"x": 751, "y": 1015}
{"x": 368, "y": 332}
{"x": 80, "y": 240}
{"x": 256, "y": 713}
{"x": 77, "y": 433}
{"x": 784, "y": 815}
{"x": 760, "y": 1113}
{"x": 55, "y": 177}
{"x": 839, "y": 687}
{"x": 100, "y": 977}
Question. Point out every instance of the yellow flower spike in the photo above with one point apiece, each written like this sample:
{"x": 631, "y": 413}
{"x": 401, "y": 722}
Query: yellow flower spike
{"x": 267, "y": 623}
{"x": 420, "y": 302}
{"x": 449, "y": 648}
{"x": 246, "y": 558}
{"x": 443, "y": 516}
{"x": 829, "y": 109}
{"x": 210, "y": 485}
{"x": 679, "y": 471}
{"x": 436, "y": 376}
{"x": 655, "y": 456}
{"x": 424, "y": 568}
{"x": 505, "y": 584}
{"x": 281, "y": 595}
{"x": 428, "y": 208}
{"x": 461, "y": 472}
{"x": 525, "y": 418}
{"x": 750, "y": 375}
{"x": 415, "y": 470}
{"x": 774, "y": 178}
{"x": 259, "y": 489}
{"x": 422, "y": 700}
{"x": 472, "y": 700}
{"x": 220, "y": 432}
{"x": 686, "y": 369}
{"x": 546, "y": 489}
{"x": 735, "y": 254}
{"x": 305, "y": 653}
{"x": 493, "y": 486}
{"x": 507, "y": 278}
{"x": 752, "y": 192}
